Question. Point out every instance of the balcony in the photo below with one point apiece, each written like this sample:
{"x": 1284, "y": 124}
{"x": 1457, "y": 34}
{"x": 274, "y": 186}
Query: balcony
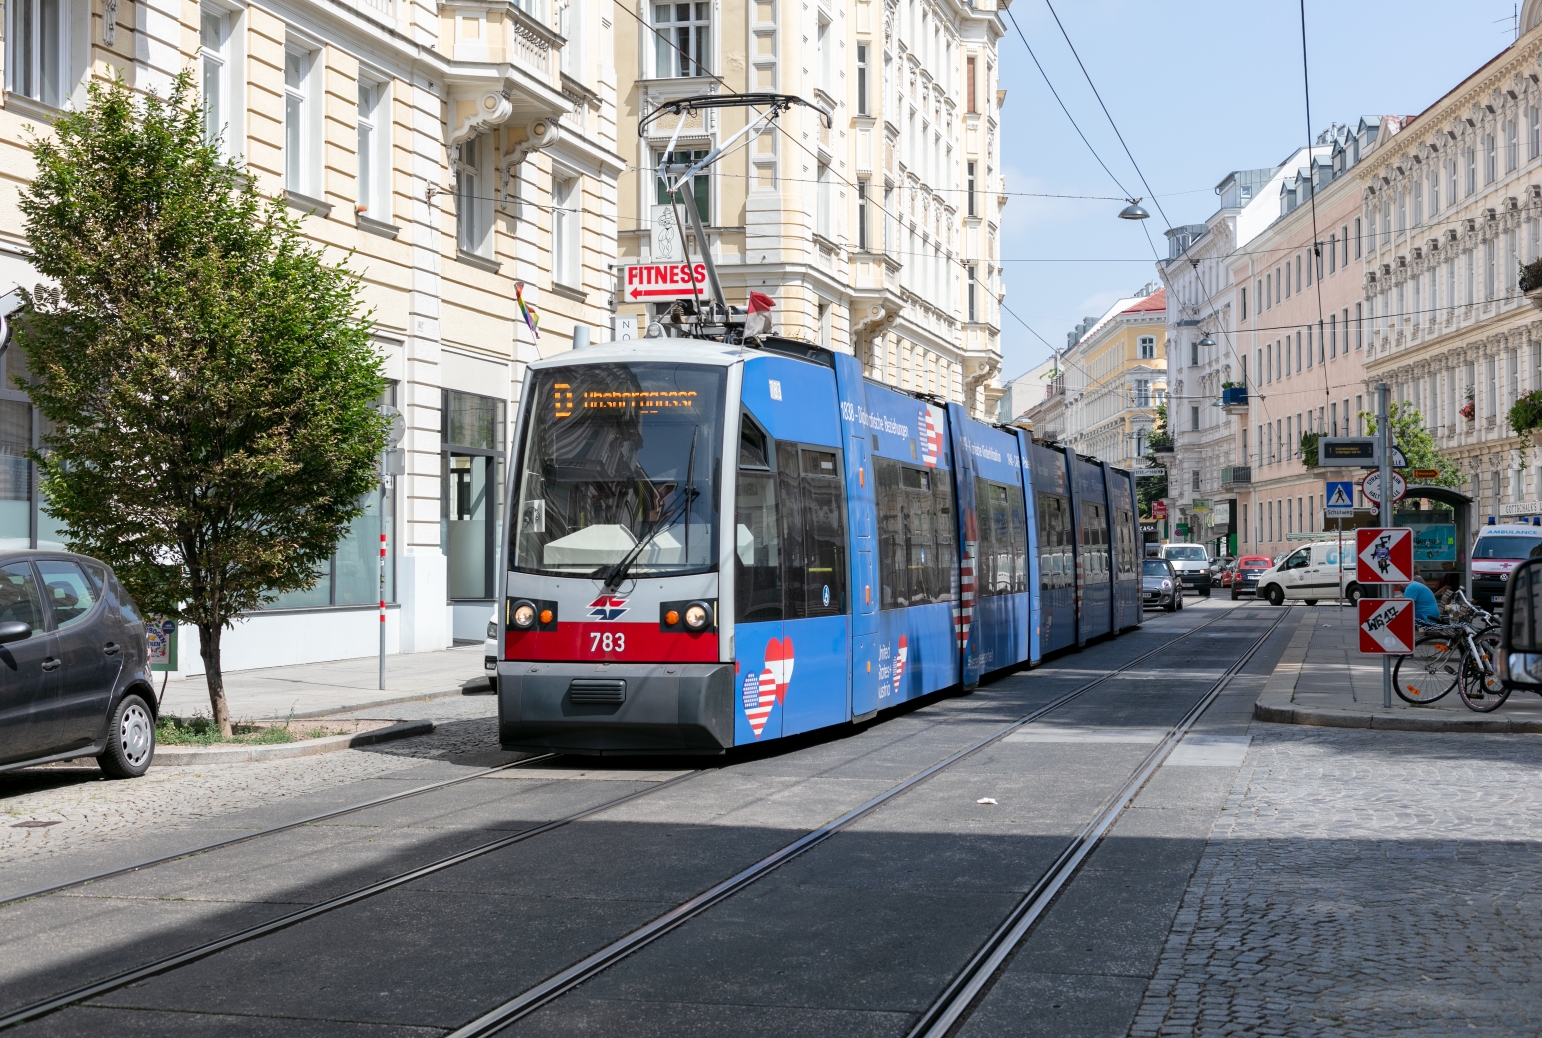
{"x": 1234, "y": 400}
{"x": 1236, "y": 477}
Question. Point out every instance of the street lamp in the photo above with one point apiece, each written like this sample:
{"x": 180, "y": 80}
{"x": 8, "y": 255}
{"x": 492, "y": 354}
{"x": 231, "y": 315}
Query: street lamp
{"x": 1133, "y": 211}
{"x": 1207, "y": 342}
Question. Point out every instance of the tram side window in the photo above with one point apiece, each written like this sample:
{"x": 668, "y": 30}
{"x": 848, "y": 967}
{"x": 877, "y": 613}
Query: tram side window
{"x": 1094, "y": 548}
{"x": 1124, "y": 540}
{"x": 916, "y": 535}
{"x": 1056, "y": 569}
{"x": 823, "y": 516}
{"x": 758, "y": 571}
{"x": 1001, "y": 566}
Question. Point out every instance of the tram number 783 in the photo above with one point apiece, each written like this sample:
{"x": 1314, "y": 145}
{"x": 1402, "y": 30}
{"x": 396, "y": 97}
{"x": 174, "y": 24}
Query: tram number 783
{"x": 607, "y": 641}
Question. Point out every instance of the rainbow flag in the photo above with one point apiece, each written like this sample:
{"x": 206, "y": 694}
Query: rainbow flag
{"x": 528, "y": 312}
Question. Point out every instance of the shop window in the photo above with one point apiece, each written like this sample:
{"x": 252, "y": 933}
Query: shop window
{"x": 471, "y": 502}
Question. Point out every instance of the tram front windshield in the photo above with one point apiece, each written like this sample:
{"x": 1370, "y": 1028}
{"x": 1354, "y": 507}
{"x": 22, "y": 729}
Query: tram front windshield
{"x": 620, "y": 461}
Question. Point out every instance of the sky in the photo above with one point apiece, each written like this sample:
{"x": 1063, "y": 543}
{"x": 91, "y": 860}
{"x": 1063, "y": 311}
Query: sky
{"x": 1197, "y": 89}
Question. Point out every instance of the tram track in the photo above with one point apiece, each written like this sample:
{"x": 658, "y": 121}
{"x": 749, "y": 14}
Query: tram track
{"x": 947, "y": 1010}
{"x": 273, "y": 830}
{"x": 576, "y": 974}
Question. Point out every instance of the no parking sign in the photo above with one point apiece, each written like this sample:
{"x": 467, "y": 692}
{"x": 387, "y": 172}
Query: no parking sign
{"x": 1387, "y": 625}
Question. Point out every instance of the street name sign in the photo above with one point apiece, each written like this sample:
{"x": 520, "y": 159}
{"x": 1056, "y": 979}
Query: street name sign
{"x": 1370, "y": 486}
{"x": 663, "y": 280}
{"x": 1339, "y": 499}
{"x": 1426, "y": 473}
{"x": 1387, "y": 626}
{"x": 1384, "y": 555}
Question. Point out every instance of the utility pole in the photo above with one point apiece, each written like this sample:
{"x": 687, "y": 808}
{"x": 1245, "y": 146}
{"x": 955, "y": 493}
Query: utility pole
{"x": 1384, "y": 452}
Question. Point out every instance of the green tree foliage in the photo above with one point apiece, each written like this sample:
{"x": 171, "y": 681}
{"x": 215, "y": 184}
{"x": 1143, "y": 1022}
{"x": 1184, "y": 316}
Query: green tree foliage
{"x": 1154, "y": 488}
{"x": 209, "y": 379}
{"x": 1417, "y": 445}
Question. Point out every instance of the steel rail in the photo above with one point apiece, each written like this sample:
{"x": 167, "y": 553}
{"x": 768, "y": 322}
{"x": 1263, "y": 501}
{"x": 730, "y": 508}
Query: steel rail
{"x": 190, "y": 955}
{"x": 555, "y": 986}
{"x": 944, "y": 1014}
{"x": 270, "y": 831}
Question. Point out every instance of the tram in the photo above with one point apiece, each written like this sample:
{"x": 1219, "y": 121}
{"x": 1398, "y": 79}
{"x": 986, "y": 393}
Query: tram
{"x": 710, "y": 545}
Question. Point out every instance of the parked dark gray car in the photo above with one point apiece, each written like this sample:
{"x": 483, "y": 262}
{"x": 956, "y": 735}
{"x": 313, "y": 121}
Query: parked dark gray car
{"x": 74, "y": 666}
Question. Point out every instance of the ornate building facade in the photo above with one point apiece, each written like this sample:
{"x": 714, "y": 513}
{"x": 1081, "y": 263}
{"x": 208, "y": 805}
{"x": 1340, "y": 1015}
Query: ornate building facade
{"x": 458, "y": 150}
{"x": 877, "y": 235}
{"x": 1452, "y": 206}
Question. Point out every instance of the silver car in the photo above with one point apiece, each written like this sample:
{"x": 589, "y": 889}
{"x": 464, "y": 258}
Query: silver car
{"x": 1159, "y": 587}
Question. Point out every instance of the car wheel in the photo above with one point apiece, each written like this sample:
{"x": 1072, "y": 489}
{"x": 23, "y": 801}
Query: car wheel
{"x": 1205, "y": 591}
{"x": 1172, "y": 604}
{"x": 1178, "y": 598}
{"x": 1310, "y": 601}
{"x": 1235, "y": 594}
{"x": 1276, "y": 595}
{"x": 130, "y": 740}
{"x": 1354, "y": 594}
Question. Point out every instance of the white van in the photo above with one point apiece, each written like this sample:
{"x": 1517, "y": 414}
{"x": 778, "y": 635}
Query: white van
{"x": 1310, "y": 573}
{"x": 1192, "y": 561}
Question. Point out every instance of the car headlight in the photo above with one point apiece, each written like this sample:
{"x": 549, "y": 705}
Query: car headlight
{"x": 1167, "y": 585}
{"x": 697, "y": 614}
{"x": 492, "y": 629}
{"x": 524, "y": 615}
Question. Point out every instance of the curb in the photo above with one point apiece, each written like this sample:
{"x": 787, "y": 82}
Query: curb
{"x": 1279, "y": 714}
{"x": 176, "y": 756}
{"x": 371, "y": 704}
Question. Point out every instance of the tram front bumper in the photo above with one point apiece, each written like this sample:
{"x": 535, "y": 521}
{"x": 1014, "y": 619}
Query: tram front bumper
{"x": 619, "y": 708}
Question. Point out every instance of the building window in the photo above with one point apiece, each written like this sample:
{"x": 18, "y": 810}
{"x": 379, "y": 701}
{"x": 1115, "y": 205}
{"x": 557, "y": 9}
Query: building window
{"x": 862, "y": 79}
{"x": 680, "y": 161}
{"x": 1359, "y": 325}
{"x": 1534, "y": 132}
{"x": 471, "y": 429}
{"x": 1194, "y": 418}
{"x": 1488, "y": 269}
{"x": 1194, "y": 354}
{"x": 1194, "y": 479}
{"x": 969, "y": 78}
{"x": 1357, "y": 237}
{"x": 1142, "y": 396}
{"x": 473, "y": 209}
{"x": 971, "y": 292}
{"x": 682, "y": 32}
{"x": 374, "y": 150}
{"x": 299, "y": 147}
{"x": 566, "y": 229}
{"x": 1434, "y": 191}
{"x": 1418, "y": 203}
{"x": 822, "y": 199}
{"x": 863, "y": 244}
{"x": 822, "y": 54}
{"x": 1512, "y": 145}
{"x": 969, "y": 192}
{"x": 37, "y": 50}
{"x": 1470, "y": 159}
{"x": 213, "y": 40}
{"x": 1147, "y": 345}
{"x": 351, "y": 577}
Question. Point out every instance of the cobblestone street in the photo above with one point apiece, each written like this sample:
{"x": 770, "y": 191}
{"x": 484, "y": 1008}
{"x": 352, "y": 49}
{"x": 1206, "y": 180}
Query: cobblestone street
{"x": 1363, "y": 882}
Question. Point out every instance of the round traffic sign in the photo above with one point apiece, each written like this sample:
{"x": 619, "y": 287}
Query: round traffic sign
{"x": 1370, "y": 486}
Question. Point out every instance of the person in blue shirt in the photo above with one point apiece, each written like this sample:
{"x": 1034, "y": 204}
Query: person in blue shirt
{"x": 1426, "y": 609}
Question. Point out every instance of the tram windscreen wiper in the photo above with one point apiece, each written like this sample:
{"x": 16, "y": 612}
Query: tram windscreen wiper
{"x": 681, "y": 507}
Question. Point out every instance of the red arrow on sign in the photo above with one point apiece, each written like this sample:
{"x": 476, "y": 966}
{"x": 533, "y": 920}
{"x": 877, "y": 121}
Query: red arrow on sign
{"x": 1384, "y": 555}
{"x": 640, "y": 293}
{"x": 1387, "y": 625}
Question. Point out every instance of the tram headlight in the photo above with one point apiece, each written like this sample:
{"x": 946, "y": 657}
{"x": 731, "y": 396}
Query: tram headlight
{"x": 697, "y": 614}
{"x": 524, "y": 615}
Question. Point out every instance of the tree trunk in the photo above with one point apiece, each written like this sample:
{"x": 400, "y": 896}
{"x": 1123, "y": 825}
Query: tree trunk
{"x": 209, "y": 649}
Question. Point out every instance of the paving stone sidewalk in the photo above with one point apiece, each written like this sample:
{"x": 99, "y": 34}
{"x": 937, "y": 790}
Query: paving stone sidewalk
{"x": 321, "y": 689}
{"x": 1323, "y": 679}
{"x": 1363, "y": 883}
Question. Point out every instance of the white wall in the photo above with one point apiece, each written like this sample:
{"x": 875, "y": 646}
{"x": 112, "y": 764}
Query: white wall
{"x": 283, "y": 638}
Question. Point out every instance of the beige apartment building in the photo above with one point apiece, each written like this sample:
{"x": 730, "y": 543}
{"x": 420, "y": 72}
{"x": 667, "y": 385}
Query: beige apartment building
{"x": 458, "y": 150}
{"x": 1300, "y": 341}
{"x": 1115, "y": 378}
{"x": 1453, "y": 206}
{"x": 877, "y": 235}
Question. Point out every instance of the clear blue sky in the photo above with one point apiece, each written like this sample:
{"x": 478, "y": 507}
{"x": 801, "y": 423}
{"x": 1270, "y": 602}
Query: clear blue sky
{"x": 1198, "y": 89}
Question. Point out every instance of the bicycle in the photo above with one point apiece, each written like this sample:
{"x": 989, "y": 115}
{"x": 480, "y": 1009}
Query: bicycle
{"x": 1458, "y": 654}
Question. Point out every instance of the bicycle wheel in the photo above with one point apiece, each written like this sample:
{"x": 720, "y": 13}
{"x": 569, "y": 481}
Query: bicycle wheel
{"x": 1430, "y": 671}
{"x": 1479, "y": 686}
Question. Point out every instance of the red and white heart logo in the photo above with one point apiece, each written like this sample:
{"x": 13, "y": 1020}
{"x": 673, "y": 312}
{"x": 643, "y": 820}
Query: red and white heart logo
{"x": 899, "y": 663}
{"x": 769, "y": 687}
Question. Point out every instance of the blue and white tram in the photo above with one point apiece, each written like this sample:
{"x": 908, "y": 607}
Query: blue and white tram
{"x": 713, "y": 545}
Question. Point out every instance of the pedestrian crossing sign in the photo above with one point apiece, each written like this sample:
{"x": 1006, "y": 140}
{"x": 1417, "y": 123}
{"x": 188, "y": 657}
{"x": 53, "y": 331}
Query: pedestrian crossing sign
{"x": 1339, "y": 499}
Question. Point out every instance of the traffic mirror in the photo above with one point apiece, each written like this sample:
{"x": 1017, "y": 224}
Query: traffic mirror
{"x": 1520, "y": 658}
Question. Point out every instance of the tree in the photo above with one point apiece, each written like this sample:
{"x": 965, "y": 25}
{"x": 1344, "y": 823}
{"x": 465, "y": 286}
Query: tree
{"x": 1150, "y": 489}
{"x": 209, "y": 379}
{"x": 1417, "y": 445}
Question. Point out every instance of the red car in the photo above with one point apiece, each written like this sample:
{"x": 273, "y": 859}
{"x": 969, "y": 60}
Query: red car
{"x": 1245, "y": 575}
